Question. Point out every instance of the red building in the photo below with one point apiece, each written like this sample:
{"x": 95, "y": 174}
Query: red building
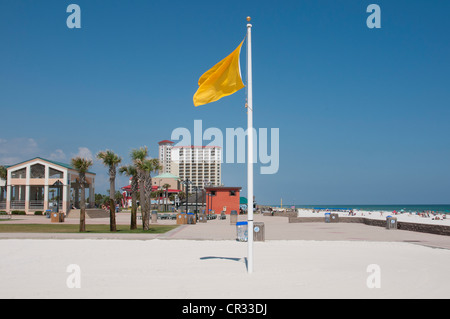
{"x": 222, "y": 199}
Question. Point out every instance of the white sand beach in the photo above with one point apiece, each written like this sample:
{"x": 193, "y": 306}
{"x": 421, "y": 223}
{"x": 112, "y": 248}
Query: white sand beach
{"x": 216, "y": 269}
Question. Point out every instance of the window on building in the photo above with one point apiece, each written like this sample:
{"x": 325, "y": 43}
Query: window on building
{"x": 53, "y": 173}
{"x": 20, "y": 173}
{"x": 37, "y": 171}
{"x": 232, "y": 193}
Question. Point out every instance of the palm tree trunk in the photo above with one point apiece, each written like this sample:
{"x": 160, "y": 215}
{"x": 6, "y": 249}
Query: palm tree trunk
{"x": 133, "y": 223}
{"x": 134, "y": 189}
{"x": 167, "y": 199}
{"x": 148, "y": 193}
{"x": 82, "y": 210}
{"x": 159, "y": 199}
{"x": 141, "y": 194}
{"x": 112, "y": 215}
{"x": 112, "y": 202}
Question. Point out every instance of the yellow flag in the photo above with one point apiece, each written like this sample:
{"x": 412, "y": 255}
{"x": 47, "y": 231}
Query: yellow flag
{"x": 221, "y": 80}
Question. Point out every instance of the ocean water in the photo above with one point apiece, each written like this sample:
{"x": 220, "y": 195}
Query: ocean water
{"x": 387, "y": 208}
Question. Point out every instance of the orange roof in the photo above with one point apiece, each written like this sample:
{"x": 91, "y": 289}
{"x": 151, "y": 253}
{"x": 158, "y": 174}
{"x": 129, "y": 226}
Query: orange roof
{"x": 165, "y": 141}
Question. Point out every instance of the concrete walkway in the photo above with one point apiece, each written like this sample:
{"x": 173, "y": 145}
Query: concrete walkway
{"x": 276, "y": 228}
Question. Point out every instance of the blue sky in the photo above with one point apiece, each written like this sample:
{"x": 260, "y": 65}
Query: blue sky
{"x": 363, "y": 113}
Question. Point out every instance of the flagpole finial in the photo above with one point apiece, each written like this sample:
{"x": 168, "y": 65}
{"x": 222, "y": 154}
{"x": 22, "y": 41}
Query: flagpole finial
{"x": 248, "y": 18}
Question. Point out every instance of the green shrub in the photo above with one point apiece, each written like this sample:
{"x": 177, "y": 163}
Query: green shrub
{"x": 18, "y": 212}
{"x": 38, "y": 212}
{"x": 3, "y": 213}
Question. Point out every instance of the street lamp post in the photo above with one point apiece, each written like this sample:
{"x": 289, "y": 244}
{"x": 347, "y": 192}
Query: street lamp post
{"x": 58, "y": 184}
{"x": 196, "y": 201}
{"x": 186, "y": 182}
{"x": 210, "y": 195}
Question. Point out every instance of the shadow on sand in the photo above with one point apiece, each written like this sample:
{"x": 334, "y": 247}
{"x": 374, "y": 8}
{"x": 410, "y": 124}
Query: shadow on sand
{"x": 242, "y": 259}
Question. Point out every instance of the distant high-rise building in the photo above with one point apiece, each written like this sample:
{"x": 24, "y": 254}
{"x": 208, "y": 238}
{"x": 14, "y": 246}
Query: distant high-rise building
{"x": 200, "y": 164}
{"x": 165, "y": 155}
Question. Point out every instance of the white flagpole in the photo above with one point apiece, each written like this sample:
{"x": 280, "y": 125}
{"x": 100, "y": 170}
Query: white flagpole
{"x": 250, "y": 148}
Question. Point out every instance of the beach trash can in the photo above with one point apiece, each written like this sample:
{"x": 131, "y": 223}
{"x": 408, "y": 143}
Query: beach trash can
{"x": 258, "y": 231}
{"x": 57, "y": 217}
{"x": 391, "y": 222}
{"x": 334, "y": 218}
{"x": 181, "y": 219}
{"x": 327, "y": 217}
{"x": 202, "y": 218}
{"x": 191, "y": 219}
{"x": 154, "y": 216}
{"x": 242, "y": 231}
{"x": 233, "y": 217}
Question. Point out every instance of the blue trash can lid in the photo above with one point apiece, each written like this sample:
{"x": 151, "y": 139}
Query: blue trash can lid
{"x": 241, "y": 223}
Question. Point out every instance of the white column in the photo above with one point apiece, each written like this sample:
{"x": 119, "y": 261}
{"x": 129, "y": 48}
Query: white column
{"x": 47, "y": 172}
{"x": 8, "y": 191}
{"x": 64, "y": 192}
{"x": 27, "y": 189}
{"x": 92, "y": 194}
{"x": 8, "y": 197}
{"x": 45, "y": 197}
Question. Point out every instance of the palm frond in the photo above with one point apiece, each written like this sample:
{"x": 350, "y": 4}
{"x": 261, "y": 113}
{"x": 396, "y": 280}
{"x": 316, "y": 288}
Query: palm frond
{"x": 81, "y": 164}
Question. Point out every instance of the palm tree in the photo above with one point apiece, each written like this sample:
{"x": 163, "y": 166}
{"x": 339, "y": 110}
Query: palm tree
{"x": 144, "y": 168}
{"x": 111, "y": 160}
{"x": 130, "y": 170}
{"x": 138, "y": 156}
{"x": 82, "y": 165}
{"x": 148, "y": 166}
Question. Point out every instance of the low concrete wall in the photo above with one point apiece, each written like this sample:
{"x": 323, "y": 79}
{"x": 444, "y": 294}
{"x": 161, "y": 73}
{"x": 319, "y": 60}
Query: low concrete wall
{"x": 280, "y": 214}
{"x": 423, "y": 228}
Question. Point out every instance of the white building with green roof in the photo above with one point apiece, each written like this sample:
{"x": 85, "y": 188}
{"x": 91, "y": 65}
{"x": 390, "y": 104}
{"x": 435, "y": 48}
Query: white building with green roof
{"x": 33, "y": 186}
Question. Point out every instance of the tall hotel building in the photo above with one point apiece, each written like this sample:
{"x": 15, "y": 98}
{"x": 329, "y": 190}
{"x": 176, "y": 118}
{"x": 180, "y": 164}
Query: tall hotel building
{"x": 165, "y": 156}
{"x": 199, "y": 164}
